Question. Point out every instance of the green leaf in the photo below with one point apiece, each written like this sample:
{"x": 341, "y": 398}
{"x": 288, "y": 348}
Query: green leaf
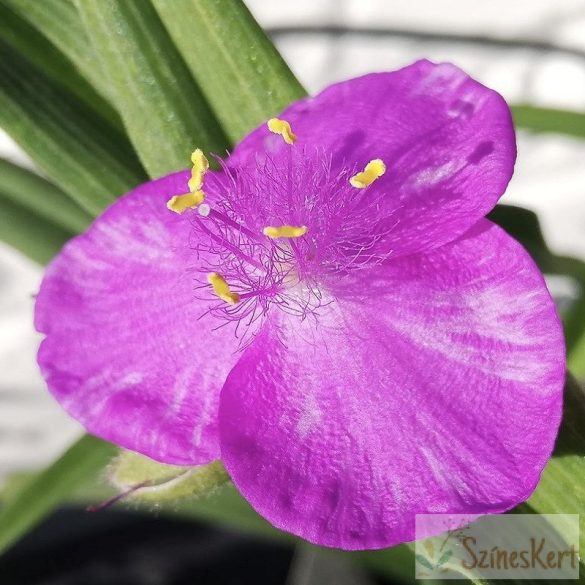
{"x": 44, "y": 492}
{"x": 549, "y": 120}
{"x": 29, "y": 233}
{"x": 75, "y": 147}
{"x": 34, "y": 46}
{"x": 237, "y": 67}
{"x": 60, "y": 22}
{"x": 524, "y": 226}
{"x": 164, "y": 112}
{"x": 145, "y": 480}
{"x": 41, "y": 197}
{"x": 576, "y": 356}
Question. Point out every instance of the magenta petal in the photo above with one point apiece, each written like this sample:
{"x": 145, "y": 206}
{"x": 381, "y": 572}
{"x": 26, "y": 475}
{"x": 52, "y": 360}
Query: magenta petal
{"x": 441, "y": 392}
{"x": 127, "y": 351}
{"x": 448, "y": 143}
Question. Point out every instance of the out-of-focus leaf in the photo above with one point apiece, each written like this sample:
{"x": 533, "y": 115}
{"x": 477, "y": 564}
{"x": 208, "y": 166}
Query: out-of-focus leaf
{"x": 549, "y": 120}
{"x": 45, "y": 491}
{"x": 574, "y": 321}
{"x": 60, "y": 22}
{"x": 163, "y": 109}
{"x": 77, "y": 149}
{"x": 523, "y": 225}
{"x": 41, "y": 197}
{"x": 576, "y": 356}
{"x": 29, "y": 233}
{"x": 243, "y": 76}
{"x": 33, "y": 45}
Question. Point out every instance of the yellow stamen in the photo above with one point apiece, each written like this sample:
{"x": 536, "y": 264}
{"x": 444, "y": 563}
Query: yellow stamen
{"x": 282, "y": 127}
{"x": 285, "y": 231}
{"x": 222, "y": 289}
{"x": 374, "y": 170}
{"x": 200, "y": 167}
{"x": 180, "y": 203}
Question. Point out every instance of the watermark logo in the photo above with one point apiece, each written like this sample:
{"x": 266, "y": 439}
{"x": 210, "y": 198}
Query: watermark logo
{"x": 502, "y": 546}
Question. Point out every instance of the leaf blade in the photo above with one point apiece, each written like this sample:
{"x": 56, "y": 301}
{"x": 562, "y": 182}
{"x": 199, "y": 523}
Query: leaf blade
{"x": 237, "y": 67}
{"x": 41, "y": 198}
{"x": 30, "y": 234}
{"x": 76, "y": 148}
{"x": 27, "y": 40}
{"x": 60, "y": 22}
{"x": 549, "y": 120}
{"x": 164, "y": 112}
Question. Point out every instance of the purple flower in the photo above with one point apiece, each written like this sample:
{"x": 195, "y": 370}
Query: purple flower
{"x": 332, "y": 316}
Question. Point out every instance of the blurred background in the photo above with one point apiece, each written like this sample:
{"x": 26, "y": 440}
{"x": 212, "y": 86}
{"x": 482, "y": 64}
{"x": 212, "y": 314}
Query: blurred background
{"x": 531, "y": 51}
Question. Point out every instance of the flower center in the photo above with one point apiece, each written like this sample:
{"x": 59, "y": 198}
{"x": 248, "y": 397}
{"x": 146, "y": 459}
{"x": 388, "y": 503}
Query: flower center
{"x": 269, "y": 231}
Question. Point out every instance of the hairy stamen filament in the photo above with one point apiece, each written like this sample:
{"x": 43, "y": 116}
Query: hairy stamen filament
{"x": 221, "y": 217}
{"x": 222, "y": 242}
{"x": 271, "y": 291}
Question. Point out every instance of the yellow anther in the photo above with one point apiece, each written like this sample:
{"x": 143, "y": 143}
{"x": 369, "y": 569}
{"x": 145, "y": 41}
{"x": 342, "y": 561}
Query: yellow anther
{"x": 282, "y": 127}
{"x": 285, "y": 231}
{"x": 180, "y": 203}
{"x": 374, "y": 170}
{"x": 222, "y": 289}
{"x": 200, "y": 167}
